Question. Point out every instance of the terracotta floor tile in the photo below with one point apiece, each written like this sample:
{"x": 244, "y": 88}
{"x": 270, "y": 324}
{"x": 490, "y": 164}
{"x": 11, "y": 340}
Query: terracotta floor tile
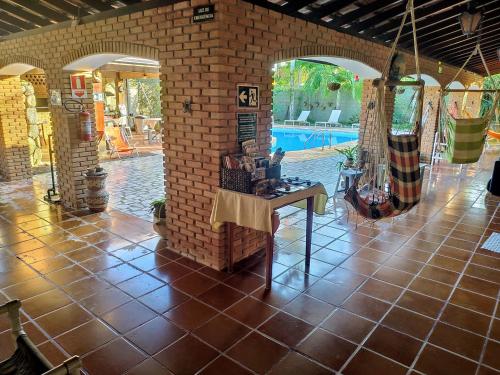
{"x": 34, "y": 333}
{"x": 64, "y": 319}
{"x": 194, "y": 284}
{"x": 86, "y": 337}
{"x": 480, "y": 286}
{"x": 45, "y": 303}
{"x": 457, "y": 341}
{"x": 101, "y": 262}
{"x": 491, "y": 357}
{"x": 309, "y": 309}
{"x": 431, "y": 288}
{"x": 163, "y": 299}
{"x": 398, "y": 319}
{"x": 295, "y": 363}
{"x": 413, "y": 254}
{"x": 435, "y": 361}
{"x": 278, "y": 296}
{"x": 120, "y": 273}
{"x": 403, "y": 264}
{"x": 128, "y": 316}
{"x": 114, "y": 358}
{"x": 155, "y": 335}
{"x": 331, "y": 293}
{"x": 52, "y": 352}
{"x": 245, "y": 281}
{"x": 128, "y": 253}
{"x": 473, "y": 301}
{"x": 84, "y": 253}
{"x": 393, "y": 276}
{"x": 286, "y": 329}
{"x": 57, "y": 263}
{"x": 367, "y": 362}
{"x": 366, "y": 306}
{"x": 484, "y": 273}
{"x": 191, "y": 314}
{"x": 170, "y": 272}
{"x": 140, "y": 285}
{"x": 174, "y": 357}
{"x": 381, "y": 290}
{"x": 68, "y": 275}
{"x": 85, "y": 287}
{"x": 37, "y": 255}
{"x": 419, "y": 303}
{"x": 221, "y": 297}
{"x": 296, "y": 279}
{"x": 105, "y": 300}
{"x": 223, "y": 365}
{"x": 251, "y": 311}
{"x": 221, "y": 332}
{"x": 257, "y": 353}
{"x": 395, "y": 345}
{"x": 348, "y": 326}
{"x": 360, "y": 266}
{"x": 149, "y": 261}
{"x": 466, "y": 319}
{"x": 7, "y": 346}
{"x": 29, "y": 288}
{"x": 343, "y": 247}
{"x": 149, "y": 367}
{"x": 320, "y": 346}
{"x": 495, "y": 330}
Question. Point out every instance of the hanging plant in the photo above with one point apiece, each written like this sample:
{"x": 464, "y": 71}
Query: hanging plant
{"x": 333, "y": 86}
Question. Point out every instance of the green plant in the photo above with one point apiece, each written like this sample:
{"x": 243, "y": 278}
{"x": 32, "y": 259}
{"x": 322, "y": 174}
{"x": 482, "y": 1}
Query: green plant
{"x": 157, "y": 207}
{"x": 350, "y": 153}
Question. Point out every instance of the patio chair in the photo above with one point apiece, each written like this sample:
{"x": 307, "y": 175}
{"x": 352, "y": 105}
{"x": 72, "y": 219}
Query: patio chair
{"x": 332, "y": 121}
{"x": 27, "y": 359}
{"x": 301, "y": 120}
{"x": 118, "y": 143}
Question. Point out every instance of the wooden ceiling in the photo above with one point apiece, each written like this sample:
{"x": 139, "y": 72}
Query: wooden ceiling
{"x": 438, "y": 29}
{"x": 439, "y": 34}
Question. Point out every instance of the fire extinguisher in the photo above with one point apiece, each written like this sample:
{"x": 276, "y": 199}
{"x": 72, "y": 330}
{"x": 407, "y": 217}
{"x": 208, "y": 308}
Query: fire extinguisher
{"x": 85, "y": 125}
{"x": 84, "y": 120}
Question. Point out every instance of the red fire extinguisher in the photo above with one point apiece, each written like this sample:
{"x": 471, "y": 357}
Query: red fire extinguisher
{"x": 85, "y": 125}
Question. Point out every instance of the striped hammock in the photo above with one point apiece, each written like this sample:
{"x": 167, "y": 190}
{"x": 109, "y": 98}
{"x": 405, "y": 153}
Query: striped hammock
{"x": 465, "y": 139}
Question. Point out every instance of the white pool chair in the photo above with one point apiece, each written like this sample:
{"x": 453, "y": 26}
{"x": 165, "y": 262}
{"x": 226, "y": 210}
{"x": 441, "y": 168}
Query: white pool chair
{"x": 301, "y": 120}
{"x": 332, "y": 121}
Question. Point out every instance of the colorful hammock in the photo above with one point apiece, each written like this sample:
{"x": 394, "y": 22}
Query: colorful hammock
{"x": 402, "y": 155}
{"x": 494, "y": 134}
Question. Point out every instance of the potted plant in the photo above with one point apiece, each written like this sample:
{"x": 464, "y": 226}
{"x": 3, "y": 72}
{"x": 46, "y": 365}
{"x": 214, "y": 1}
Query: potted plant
{"x": 157, "y": 207}
{"x": 351, "y": 156}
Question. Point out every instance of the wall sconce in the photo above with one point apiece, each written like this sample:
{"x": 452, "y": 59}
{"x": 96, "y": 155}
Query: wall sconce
{"x": 186, "y": 106}
{"x": 440, "y": 67}
{"x": 470, "y": 21}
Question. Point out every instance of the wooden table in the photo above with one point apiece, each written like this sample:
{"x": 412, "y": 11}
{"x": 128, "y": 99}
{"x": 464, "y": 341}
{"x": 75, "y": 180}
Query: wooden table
{"x": 271, "y": 205}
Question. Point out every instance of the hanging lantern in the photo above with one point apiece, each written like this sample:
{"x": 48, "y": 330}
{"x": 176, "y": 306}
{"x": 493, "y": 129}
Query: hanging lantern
{"x": 470, "y": 21}
{"x": 333, "y": 86}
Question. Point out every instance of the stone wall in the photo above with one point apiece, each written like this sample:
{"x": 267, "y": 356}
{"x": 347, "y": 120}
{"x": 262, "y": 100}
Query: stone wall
{"x": 201, "y": 63}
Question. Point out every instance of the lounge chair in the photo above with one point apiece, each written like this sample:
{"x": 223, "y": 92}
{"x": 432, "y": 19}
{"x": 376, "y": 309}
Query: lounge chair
{"x": 332, "y": 121}
{"x": 27, "y": 359}
{"x": 118, "y": 143}
{"x": 301, "y": 120}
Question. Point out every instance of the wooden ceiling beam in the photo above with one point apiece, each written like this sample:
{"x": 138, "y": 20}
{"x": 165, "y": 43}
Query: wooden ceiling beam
{"x": 389, "y": 30}
{"x": 16, "y": 21}
{"x": 362, "y": 11}
{"x": 295, "y": 5}
{"x": 46, "y": 12}
{"x": 329, "y": 8}
{"x": 10, "y": 28}
{"x": 461, "y": 46}
{"x": 74, "y": 10}
{"x": 20, "y": 12}
{"x": 97, "y": 5}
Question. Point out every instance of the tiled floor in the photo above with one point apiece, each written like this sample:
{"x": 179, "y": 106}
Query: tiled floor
{"x": 410, "y": 296}
{"x": 133, "y": 183}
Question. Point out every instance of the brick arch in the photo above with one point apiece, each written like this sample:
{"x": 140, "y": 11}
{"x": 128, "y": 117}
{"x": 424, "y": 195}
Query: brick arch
{"x": 106, "y": 46}
{"x": 330, "y": 51}
{"x": 20, "y": 59}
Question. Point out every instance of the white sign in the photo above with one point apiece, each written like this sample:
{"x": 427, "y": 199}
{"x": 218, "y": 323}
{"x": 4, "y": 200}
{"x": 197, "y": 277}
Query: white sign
{"x": 78, "y": 86}
{"x": 55, "y": 98}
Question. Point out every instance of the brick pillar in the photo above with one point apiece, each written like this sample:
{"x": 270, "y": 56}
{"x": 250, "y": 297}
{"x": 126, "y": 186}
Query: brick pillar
{"x": 431, "y": 104}
{"x": 72, "y": 156}
{"x": 14, "y": 150}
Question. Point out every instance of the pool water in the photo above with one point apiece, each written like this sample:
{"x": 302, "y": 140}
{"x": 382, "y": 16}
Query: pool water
{"x": 293, "y": 139}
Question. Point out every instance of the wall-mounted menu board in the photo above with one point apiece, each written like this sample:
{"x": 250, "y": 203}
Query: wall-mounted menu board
{"x": 247, "y": 126}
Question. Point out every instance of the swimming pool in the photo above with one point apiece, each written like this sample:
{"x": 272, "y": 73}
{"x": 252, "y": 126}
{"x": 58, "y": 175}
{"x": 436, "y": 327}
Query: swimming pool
{"x": 293, "y": 139}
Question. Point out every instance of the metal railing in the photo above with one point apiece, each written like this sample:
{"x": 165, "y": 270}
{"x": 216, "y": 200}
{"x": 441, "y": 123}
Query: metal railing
{"x": 322, "y": 133}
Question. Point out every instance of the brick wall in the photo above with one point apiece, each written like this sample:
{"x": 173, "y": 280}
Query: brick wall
{"x": 199, "y": 62}
{"x": 14, "y": 153}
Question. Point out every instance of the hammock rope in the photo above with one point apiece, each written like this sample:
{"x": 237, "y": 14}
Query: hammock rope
{"x": 395, "y": 189}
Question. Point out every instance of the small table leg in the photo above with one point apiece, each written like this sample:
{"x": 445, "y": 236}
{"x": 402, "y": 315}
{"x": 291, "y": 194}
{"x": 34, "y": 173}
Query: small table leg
{"x": 309, "y": 224}
{"x": 230, "y": 238}
{"x": 269, "y": 260}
